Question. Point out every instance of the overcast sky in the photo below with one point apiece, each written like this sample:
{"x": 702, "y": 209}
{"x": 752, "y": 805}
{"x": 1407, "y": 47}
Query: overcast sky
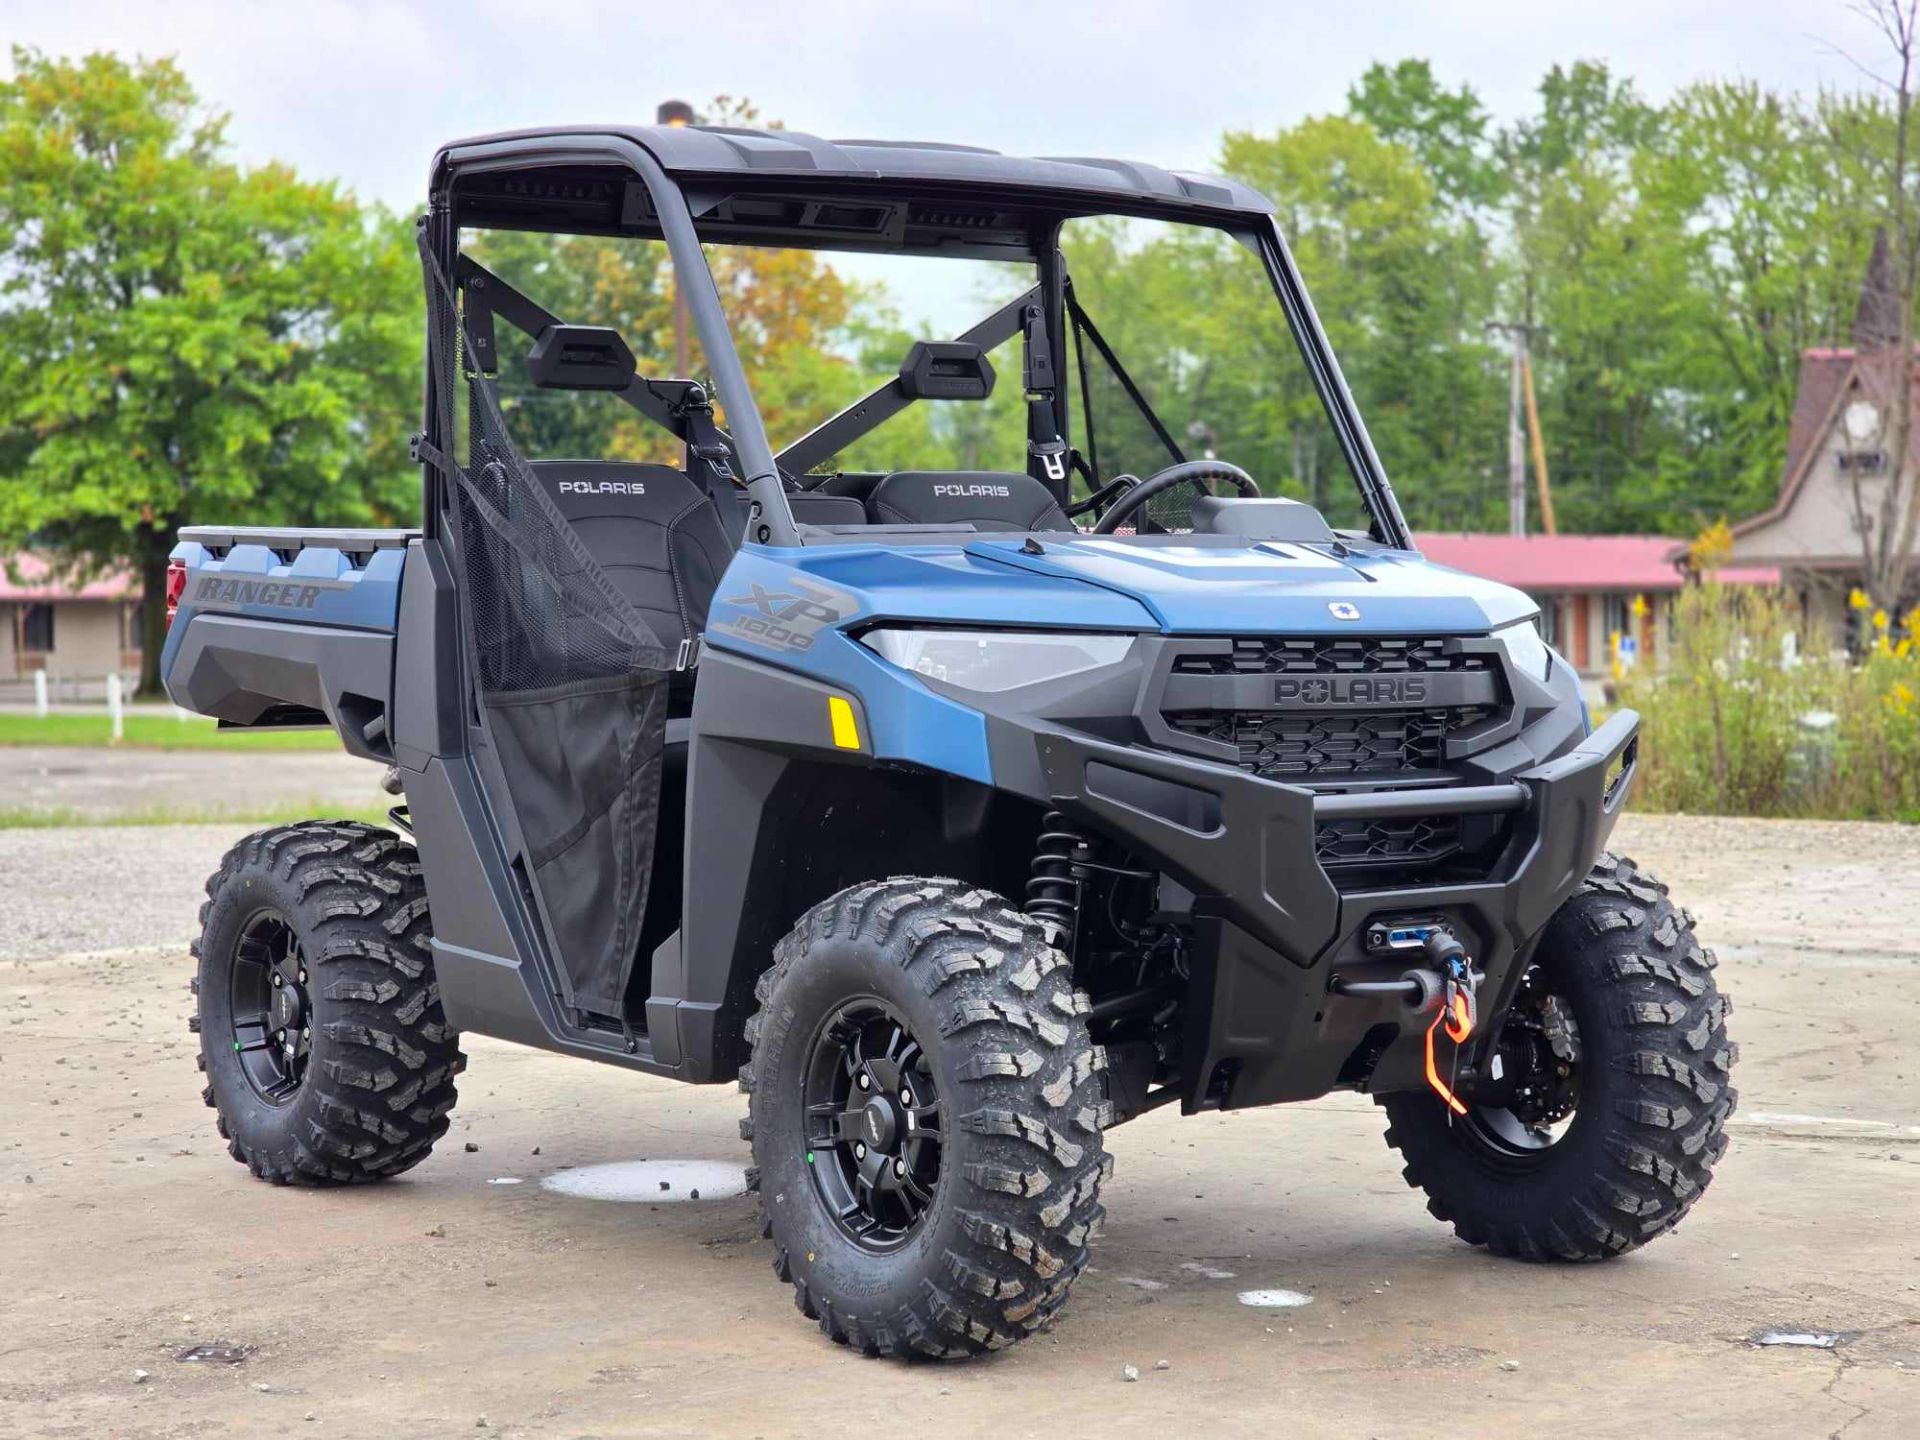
{"x": 365, "y": 89}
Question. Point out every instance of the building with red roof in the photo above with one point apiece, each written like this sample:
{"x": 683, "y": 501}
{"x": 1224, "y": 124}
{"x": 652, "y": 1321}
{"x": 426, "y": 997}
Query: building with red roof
{"x": 1590, "y": 588}
{"x": 79, "y": 631}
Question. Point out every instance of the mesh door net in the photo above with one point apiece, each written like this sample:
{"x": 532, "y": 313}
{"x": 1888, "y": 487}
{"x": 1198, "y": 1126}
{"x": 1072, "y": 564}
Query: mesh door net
{"x": 573, "y": 681}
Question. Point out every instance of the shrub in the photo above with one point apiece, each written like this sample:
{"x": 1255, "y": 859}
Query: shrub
{"x": 1757, "y": 715}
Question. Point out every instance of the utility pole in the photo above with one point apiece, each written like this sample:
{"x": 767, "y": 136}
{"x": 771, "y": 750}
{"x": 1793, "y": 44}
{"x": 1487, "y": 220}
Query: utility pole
{"x": 1520, "y": 384}
{"x": 677, "y": 113}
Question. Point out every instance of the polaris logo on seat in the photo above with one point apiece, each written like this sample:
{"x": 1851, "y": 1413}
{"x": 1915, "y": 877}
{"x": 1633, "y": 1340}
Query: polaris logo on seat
{"x": 602, "y": 487}
{"x": 962, "y": 492}
{"x": 1350, "y": 690}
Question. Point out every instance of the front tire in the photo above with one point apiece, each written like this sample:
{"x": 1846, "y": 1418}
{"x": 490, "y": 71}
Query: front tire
{"x": 926, "y": 1112}
{"x": 1643, "y": 1068}
{"x": 328, "y": 1059}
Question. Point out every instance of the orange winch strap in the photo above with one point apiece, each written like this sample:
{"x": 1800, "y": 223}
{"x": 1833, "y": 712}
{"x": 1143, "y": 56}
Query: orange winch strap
{"x": 1459, "y": 1023}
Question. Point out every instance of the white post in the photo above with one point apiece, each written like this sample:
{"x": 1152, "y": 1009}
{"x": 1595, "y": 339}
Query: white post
{"x": 40, "y": 693}
{"x": 113, "y": 706}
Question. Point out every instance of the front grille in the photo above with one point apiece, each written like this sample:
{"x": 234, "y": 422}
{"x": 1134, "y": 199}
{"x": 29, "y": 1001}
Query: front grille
{"x": 1404, "y": 840}
{"x": 1322, "y": 656}
{"x": 1355, "y": 713}
{"x": 1306, "y": 744}
{"x": 1311, "y": 746}
{"x": 1410, "y": 849}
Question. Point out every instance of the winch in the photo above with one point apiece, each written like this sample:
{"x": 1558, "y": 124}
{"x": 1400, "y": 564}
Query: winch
{"x": 1448, "y": 985}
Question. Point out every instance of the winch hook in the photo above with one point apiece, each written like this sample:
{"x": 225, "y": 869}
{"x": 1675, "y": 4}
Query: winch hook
{"x": 1458, "y": 1013}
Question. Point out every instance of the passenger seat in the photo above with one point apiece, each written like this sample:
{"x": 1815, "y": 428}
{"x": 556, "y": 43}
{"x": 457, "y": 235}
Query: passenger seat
{"x": 654, "y": 532}
{"x": 985, "y": 499}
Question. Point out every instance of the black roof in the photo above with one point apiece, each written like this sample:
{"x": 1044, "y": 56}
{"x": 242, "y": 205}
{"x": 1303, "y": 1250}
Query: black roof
{"x": 710, "y": 150}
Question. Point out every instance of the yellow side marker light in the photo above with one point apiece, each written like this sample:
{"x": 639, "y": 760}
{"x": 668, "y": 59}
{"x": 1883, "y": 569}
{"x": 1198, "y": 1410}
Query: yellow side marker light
{"x": 846, "y": 734}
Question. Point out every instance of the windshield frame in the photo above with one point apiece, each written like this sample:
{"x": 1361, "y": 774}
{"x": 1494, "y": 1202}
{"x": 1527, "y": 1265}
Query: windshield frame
{"x": 672, "y": 220}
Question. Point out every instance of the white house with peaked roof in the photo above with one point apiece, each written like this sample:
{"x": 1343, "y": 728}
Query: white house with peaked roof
{"x": 1836, "y": 466}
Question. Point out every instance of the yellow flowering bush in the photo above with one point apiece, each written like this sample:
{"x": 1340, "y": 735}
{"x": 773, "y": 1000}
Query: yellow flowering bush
{"x": 1756, "y": 715}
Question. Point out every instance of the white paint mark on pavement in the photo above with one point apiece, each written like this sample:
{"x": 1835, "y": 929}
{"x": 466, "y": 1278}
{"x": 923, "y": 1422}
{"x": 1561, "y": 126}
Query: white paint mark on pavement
{"x": 1275, "y": 1299}
{"x": 658, "y": 1182}
{"x": 1207, "y": 1270}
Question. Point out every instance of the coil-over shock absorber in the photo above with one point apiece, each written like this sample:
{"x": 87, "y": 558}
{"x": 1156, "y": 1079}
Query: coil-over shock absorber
{"x": 1053, "y": 892}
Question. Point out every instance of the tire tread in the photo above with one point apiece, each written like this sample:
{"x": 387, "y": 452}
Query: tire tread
{"x": 382, "y": 1087}
{"x": 1031, "y": 1099}
{"x": 1667, "y": 1033}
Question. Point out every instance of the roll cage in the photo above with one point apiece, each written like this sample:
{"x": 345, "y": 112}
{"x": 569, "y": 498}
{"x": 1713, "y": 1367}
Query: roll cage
{"x": 686, "y": 186}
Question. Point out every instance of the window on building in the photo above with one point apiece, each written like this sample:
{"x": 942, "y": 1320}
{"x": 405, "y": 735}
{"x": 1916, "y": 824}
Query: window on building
{"x": 1616, "y": 616}
{"x": 1550, "y": 620}
{"x": 1618, "y": 630}
{"x": 132, "y": 635}
{"x": 36, "y": 628}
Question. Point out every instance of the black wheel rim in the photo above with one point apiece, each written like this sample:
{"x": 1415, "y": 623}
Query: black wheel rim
{"x": 1539, "y": 1052}
{"x": 874, "y": 1124}
{"x": 272, "y": 1017}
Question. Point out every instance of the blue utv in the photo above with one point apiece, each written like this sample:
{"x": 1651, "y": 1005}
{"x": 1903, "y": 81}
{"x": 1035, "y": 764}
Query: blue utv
{"x": 1065, "y": 729}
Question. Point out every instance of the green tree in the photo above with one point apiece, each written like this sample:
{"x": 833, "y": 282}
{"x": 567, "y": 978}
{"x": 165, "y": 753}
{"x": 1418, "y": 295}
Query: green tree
{"x": 1606, "y": 274}
{"x": 1775, "y": 237}
{"x": 182, "y": 339}
{"x": 1402, "y": 280}
{"x": 1447, "y": 131}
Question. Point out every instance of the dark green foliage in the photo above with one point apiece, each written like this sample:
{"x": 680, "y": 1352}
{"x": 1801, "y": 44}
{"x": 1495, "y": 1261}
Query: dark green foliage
{"x": 182, "y": 340}
{"x": 1679, "y": 258}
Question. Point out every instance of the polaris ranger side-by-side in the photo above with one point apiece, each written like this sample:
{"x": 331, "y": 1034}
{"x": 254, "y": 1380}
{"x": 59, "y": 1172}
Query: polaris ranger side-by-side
{"x": 960, "y": 813}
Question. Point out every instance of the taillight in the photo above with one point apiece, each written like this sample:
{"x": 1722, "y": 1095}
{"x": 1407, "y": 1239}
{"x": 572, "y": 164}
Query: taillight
{"x": 176, "y": 586}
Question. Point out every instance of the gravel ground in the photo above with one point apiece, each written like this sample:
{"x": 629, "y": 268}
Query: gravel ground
{"x": 84, "y": 889}
{"x": 427, "y": 1305}
{"x": 103, "y": 783}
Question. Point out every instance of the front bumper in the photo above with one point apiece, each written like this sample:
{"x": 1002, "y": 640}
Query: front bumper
{"x": 1263, "y": 1023}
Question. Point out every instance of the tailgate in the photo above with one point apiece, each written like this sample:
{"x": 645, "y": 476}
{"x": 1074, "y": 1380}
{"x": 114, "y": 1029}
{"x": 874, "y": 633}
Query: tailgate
{"x": 279, "y": 627}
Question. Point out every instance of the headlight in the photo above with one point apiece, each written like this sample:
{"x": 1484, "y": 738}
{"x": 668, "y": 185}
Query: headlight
{"x": 995, "y": 660}
{"x": 1526, "y": 651}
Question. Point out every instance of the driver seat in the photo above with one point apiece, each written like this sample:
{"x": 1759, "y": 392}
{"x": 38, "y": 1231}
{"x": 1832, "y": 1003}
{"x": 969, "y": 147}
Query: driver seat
{"x": 984, "y": 499}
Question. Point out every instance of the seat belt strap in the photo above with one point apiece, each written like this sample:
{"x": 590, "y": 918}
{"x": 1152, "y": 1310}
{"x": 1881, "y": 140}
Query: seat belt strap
{"x": 709, "y": 460}
{"x": 1044, "y": 443}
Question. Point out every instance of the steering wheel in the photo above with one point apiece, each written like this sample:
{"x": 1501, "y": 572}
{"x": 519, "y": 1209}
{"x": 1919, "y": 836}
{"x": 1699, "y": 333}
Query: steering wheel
{"x": 1186, "y": 472}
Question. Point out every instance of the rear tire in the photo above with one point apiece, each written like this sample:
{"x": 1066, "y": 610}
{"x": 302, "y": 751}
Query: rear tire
{"x": 1653, "y": 1091}
{"x": 326, "y": 1053}
{"x": 1007, "y": 1162}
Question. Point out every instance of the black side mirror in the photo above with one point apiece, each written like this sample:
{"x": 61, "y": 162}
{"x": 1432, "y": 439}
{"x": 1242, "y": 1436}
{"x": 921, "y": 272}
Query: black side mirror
{"x": 946, "y": 370}
{"x": 581, "y": 357}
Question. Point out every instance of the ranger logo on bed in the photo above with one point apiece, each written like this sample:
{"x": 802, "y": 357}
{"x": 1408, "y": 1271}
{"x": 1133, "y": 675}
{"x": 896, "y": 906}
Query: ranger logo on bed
{"x": 287, "y": 594}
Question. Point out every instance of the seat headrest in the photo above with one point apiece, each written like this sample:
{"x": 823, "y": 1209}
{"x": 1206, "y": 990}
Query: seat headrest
{"x": 984, "y": 499}
{"x": 591, "y": 489}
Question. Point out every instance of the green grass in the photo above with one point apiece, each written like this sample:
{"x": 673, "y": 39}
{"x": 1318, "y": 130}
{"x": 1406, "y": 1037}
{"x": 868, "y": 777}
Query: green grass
{"x": 62, "y": 819}
{"x": 155, "y": 732}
